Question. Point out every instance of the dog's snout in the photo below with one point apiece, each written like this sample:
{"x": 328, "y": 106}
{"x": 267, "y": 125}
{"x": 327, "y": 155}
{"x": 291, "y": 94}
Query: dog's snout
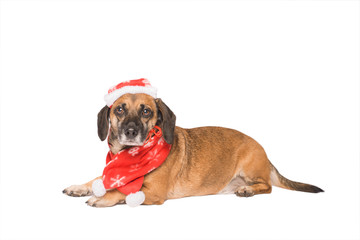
{"x": 131, "y": 133}
{"x": 131, "y": 130}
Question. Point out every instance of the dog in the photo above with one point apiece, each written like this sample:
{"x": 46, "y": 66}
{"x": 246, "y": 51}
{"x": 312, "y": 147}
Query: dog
{"x": 202, "y": 161}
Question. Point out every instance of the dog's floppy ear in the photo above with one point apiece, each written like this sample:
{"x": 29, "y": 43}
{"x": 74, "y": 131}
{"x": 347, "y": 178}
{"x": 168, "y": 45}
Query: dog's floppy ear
{"x": 166, "y": 120}
{"x": 103, "y": 122}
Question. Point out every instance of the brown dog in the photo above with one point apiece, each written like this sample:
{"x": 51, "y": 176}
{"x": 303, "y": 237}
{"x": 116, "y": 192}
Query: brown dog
{"x": 202, "y": 161}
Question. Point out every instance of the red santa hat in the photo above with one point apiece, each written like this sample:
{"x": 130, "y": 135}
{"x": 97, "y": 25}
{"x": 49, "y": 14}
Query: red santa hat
{"x": 141, "y": 85}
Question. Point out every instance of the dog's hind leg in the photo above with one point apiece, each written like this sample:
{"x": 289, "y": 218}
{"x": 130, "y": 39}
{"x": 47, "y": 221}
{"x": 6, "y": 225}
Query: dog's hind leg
{"x": 256, "y": 179}
{"x": 259, "y": 186}
{"x": 254, "y": 169}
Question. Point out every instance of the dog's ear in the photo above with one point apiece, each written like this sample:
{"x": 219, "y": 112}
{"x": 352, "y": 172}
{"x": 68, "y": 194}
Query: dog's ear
{"x": 103, "y": 122}
{"x": 166, "y": 120}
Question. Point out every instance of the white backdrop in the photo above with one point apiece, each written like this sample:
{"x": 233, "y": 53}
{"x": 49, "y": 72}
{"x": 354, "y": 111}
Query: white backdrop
{"x": 284, "y": 72}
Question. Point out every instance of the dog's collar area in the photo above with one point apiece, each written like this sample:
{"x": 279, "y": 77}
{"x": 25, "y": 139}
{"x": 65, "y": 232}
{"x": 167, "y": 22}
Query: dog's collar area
{"x": 126, "y": 169}
{"x": 156, "y": 131}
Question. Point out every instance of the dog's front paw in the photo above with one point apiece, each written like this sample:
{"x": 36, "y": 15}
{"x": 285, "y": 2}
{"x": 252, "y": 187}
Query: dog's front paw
{"x": 101, "y": 202}
{"x": 78, "y": 191}
{"x": 244, "y": 191}
{"x": 111, "y": 198}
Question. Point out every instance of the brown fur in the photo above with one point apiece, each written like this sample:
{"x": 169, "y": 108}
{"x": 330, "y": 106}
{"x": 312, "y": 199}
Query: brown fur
{"x": 202, "y": 161}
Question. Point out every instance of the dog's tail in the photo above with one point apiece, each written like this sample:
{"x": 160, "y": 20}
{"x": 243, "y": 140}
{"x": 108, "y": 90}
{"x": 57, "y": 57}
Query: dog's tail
{"x": 280, "y": 181}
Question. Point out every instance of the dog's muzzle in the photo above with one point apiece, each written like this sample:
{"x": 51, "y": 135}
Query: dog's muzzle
{"x": 131, "y": 135}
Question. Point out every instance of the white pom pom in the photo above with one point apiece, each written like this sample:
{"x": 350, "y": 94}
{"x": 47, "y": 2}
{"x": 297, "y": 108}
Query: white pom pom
{"x": 135, "y": 199}
{"x": 98, "y": 188}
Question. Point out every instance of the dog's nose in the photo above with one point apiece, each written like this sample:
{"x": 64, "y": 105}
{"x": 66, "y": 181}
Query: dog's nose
{"x": 131, "y": 133}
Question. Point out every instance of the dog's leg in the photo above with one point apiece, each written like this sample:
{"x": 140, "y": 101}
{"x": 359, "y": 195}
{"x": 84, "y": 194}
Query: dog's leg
{"x": 152, "y": 198}
{"x": 80, "y": 190}
{"x": 259, "y": 186}
{"x": 255, "y": 171}
{"x": 154, "y": 189}
{"x": 110, "y": 198}
{"x": 114, "y": 197}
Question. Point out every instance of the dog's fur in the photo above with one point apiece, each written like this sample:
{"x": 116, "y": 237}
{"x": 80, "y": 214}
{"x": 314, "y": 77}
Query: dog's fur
{"x": 202, "y": 161}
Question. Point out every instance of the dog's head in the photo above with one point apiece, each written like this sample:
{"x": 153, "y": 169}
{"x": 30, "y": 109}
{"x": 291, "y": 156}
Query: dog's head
{"x": 132, "y": 116}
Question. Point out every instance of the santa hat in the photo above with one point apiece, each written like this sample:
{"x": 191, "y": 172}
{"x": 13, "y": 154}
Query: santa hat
{"x": 141, "y": 85}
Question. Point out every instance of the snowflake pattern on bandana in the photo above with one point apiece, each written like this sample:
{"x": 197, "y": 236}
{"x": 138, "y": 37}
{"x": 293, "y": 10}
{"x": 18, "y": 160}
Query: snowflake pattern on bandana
{"x": 126, "y": 169}
{"x": 134, "y": 151}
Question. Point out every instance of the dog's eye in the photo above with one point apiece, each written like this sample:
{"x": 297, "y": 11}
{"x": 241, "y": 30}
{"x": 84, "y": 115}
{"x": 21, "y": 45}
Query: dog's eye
{"x": 146, "y": 112}
{"x": 120, "y": 110}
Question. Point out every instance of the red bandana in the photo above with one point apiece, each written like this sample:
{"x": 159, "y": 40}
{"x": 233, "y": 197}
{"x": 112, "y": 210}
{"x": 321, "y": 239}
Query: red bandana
{"x": 126, "y": 169}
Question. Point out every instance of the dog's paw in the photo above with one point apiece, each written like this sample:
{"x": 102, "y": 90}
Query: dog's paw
{"x": 78, "y": 191}
{"x": 102, "y": 202}
{"x": 110, "y": 198}
{"x": 244, "y": 191}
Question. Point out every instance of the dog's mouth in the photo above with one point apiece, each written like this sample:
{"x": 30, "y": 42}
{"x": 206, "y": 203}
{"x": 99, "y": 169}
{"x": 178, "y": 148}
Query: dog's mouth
{"x": 137, "y": 141}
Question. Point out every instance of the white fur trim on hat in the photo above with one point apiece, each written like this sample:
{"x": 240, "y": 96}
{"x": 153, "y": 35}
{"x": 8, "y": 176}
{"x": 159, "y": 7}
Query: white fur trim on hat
{"x": 135, "y": 199}
{"x": 113, "y": 96}
{"x": 98, "y": 188}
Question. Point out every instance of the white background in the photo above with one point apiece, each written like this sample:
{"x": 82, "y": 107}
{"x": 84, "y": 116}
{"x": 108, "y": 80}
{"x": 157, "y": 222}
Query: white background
{"x": 284, "y": 72}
